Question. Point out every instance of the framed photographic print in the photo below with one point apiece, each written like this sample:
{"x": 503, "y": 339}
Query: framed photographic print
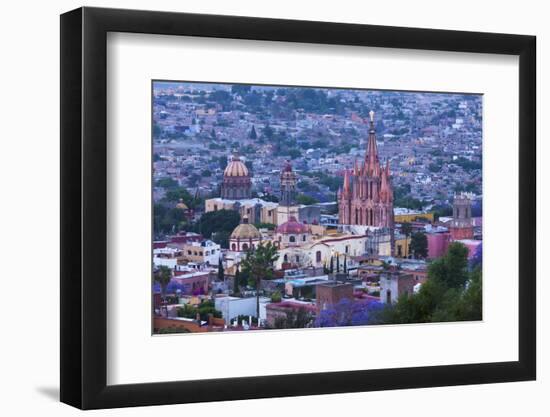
{"x": 257, "y": 208}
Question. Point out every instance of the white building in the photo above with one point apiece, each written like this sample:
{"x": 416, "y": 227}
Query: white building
{"x": 207, "y": 252}
{"x": 166, "y": 257}
{"x": 232, "y": 307}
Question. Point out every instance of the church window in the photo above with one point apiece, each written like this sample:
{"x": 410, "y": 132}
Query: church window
{"x": 318, "y": 256}
{"x": 303, "y": 238}
{"x": 245, "y": 246}
{"x": 233, "y": 246}
{"x": 292, "y": 239}
{"x": 285, "y": 258}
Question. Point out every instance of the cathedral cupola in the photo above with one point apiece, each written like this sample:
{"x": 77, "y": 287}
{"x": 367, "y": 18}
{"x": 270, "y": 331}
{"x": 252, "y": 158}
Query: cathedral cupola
{"x": 237, "y": 182}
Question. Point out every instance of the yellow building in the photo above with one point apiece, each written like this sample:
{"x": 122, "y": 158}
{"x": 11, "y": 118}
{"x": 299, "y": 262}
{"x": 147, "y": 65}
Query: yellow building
{"x": 255, "y": 209}
{"x": 408, "y": 216}
{"x": 402, "y": 245}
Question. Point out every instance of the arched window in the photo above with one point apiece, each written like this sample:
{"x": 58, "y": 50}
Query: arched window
{"x": 318, "y": 256}
{"x": 371, "y": 220}
{"x": 297, "y": 258}
{"x": 303, "y": 238}
{"x": 245, "y": 246}
{"x": 292, "y": 239}
{"x": 233, "y": 246}
{"x": 285, "y": 258}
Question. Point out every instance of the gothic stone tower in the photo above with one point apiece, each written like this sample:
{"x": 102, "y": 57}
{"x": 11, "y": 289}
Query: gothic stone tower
{"x": 366, "y": 197}
{"x": 288, "y": 185}
{"x": 461, "y": 225}
{"x": 287, "y": 204}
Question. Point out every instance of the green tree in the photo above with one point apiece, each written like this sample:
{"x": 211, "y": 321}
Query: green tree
{"x": 221, "y": 275}
{"x": 299, "y": 319}
{"x": 178, "y": 193}
{"x": 276, "y": 297}
{"x": 166, "y": 182}
{"x": 163, "y": 277}
{"x": 419, "y": 244}
{"x": 455, "y": 266}
{"x": 167, "y": 219}
{"x": 268, "y": 131}
{"x": 157, "y": 130}
{"x": 306, "y": 200}
{"x": 259, "y": 265}
{"x": 268, "y": 226}
{"x": 222, "y": 161}
{"x": 451, "y": 293}
{"x": 240, "y": 89}
{"x": 222, "y": 238}
{"x": 253, "y": 135}
{"x": 236, "y": 281}
{"x": 218, "y": 221}
{"x": 406, "y": 229}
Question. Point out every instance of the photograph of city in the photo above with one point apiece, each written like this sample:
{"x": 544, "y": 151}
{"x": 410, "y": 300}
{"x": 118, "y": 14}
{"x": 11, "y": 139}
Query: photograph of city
{"x": 289, "y": 207}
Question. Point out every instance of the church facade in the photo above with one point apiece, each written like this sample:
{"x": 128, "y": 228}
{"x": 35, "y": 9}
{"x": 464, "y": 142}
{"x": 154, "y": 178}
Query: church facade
{"x": 366, "y": 197}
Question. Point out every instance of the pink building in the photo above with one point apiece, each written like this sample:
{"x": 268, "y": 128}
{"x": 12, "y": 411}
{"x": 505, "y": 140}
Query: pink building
{"x": 366, "y": 197}
{"x": 193, "y": 282}
{"x": 438, "y": 244}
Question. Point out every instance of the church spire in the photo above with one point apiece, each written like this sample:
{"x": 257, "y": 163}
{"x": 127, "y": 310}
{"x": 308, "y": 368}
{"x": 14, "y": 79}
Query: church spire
{"x": 371, "y": 157}
{"x": 346, "y": 189}
{"x": 386, "y": 192}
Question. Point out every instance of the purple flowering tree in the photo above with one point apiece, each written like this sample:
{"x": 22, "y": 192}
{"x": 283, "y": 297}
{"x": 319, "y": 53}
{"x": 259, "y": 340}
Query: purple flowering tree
{"x": 477, "y": 259}
{"x": 350, "y": 313}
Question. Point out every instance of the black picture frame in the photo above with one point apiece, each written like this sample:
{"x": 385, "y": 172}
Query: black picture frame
{"x": 84, "y": 207}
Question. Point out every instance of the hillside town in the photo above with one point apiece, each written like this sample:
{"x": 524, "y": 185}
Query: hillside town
{"x": 294, "y": 207}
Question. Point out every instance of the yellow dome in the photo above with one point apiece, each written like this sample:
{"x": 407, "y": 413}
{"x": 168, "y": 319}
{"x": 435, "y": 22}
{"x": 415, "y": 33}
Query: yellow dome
{"x": 182, "y": 206}
{"x": 236, "y": 168}
{"x": 245, "y": 231}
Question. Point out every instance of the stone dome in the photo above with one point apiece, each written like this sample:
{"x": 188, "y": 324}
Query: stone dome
{"x": 245, "y": 231}
{"x": 292, "y": 226}
{"x": 235, "y": 168}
